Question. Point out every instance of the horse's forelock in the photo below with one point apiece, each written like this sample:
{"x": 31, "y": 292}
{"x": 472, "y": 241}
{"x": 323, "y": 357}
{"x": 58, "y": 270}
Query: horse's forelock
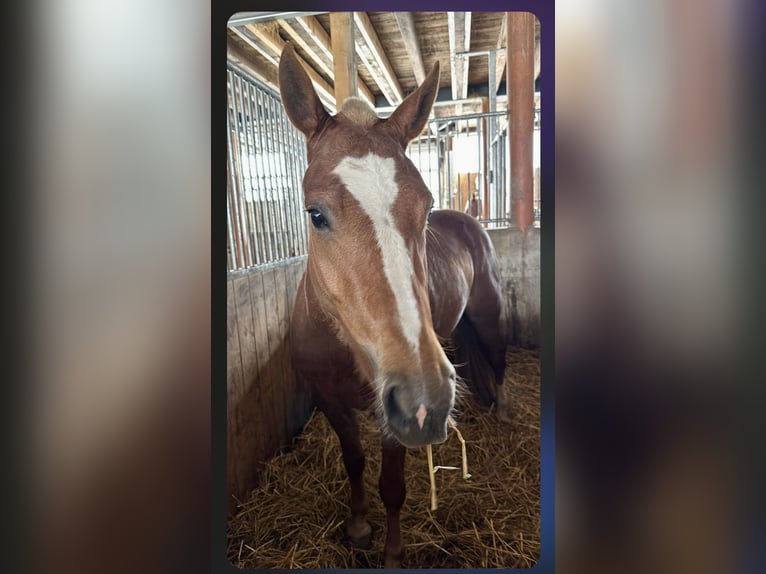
{"x": 359, "y": 112}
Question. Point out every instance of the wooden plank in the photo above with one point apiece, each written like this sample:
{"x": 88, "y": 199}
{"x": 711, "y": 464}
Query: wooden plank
{"x": 271, "y": 375}
{"x": 344, "y": 55}
{"x": 459, "y": 25}
{"x": 280, "y": 291}
{"x": 406, "y": 25}
{"x": 367, "y": 32}
{"x": 271, "y": 46}
{"x": 241, "y": 286}
{"x": 500, "y": 56}
{"x": 234, "y": 384}
{"x": 251, "y": 60}
{"x": 319, "y": 48}
{"x": 318, "y": 57}
{"x": 260, "y": 327}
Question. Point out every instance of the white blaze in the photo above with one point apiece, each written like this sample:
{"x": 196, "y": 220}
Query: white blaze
{"x": 371, "y": 180}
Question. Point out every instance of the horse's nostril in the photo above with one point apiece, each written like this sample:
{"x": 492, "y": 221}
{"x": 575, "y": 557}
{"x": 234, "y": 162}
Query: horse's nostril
{"x": 391, "y": 405}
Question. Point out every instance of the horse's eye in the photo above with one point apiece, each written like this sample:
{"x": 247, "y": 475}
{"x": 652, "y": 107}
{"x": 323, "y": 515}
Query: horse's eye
{"x": 317, "y": 219}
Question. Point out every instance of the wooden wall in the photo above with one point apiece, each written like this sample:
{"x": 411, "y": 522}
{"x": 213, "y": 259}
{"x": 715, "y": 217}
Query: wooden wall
{"x": 267, "y": 405}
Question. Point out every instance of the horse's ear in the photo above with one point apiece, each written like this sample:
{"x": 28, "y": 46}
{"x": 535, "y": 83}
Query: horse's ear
{"x": 301, "y": 102}
{"x": 409, "y": 119}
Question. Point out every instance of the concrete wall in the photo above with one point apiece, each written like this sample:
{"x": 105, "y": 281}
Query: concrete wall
{"x": 267, "y": 405}
{"x": 518, "y": 261}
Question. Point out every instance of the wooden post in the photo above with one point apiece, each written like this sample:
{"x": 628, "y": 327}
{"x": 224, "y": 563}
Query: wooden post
{"x": 521, "y": 114}
{"x": 343, "y": 55}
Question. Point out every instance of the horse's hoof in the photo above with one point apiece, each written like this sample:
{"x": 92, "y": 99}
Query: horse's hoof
{"x": 393, "y": 560}
{"x": 360, "y": 535}
{"x": 504, "y": 417}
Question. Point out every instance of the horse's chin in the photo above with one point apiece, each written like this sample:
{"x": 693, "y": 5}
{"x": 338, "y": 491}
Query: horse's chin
{"x": 417, "y": 440}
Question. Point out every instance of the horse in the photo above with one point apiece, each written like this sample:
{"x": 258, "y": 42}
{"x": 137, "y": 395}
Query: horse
{"x": 387, "y": 279}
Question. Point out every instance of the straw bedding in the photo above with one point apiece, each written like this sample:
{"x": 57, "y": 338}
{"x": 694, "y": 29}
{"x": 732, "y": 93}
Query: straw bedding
{"x": 295, "y": 518}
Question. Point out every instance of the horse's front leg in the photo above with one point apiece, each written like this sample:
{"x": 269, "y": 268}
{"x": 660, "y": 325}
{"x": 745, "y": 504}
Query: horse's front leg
{"x": 343, "y": 421}
{"x": 392, "y": 492}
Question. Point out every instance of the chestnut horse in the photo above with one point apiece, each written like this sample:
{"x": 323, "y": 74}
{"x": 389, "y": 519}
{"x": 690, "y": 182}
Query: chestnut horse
{"x": 385, "y": 281}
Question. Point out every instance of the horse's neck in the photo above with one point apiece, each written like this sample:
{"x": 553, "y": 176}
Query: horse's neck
{"x": 311, "y": 299}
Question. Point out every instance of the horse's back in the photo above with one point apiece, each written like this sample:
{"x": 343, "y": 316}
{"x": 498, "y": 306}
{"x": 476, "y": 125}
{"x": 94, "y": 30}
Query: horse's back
{"x": 461, "y": 259}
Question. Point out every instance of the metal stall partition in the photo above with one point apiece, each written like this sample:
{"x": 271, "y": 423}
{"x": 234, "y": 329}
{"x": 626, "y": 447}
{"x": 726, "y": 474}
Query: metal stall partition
{"x": 266, "y": 161}
{"x": 465, "y": 155}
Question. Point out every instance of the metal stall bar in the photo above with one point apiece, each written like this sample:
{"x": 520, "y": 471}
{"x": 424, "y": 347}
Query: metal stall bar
{"x": 253, "y": 205}
{"x": 272, "y": 208}
{"x": 285, "y": 196}
{"x": 231, "y": 192}
{"x": 299, "y": 148}
{"x": 262, "y": 169}
{"x": 245, "y": 167}
{"x": 236, "y": 153}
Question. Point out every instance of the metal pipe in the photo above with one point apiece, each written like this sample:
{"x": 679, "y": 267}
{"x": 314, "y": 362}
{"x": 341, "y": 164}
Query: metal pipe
{"x": 521, "y": 75}
{"x": 472, "y": 116}
{"x": 478, "y": 52}
{"x": 241, "y": 18}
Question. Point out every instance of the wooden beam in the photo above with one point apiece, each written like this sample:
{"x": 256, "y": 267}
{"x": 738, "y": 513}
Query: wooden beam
{"x": 407, "y": 27}
{"x": 501, "y": 56}
{"x": 272, "y": 45}
{"x": 344, "y": 55}
{"x": 318, "y": 57}
{"x": 459, "y": 28}
{"x": 466, "y": 60}
{"x": 323, "y": 49}
{"x": 367, "y": 32}
{"x": 254, "y": 64}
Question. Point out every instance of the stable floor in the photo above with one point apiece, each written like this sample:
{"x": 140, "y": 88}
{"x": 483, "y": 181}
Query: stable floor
{"x": 294, "y": 519}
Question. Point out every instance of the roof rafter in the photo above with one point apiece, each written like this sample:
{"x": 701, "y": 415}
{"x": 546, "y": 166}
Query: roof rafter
{"x": 406, "y": 24}
{"x": 459, "y": 26}
{"x": 273, "y": 46}
{"x": 386, "y": 79}
{"x": 321, "y": 51}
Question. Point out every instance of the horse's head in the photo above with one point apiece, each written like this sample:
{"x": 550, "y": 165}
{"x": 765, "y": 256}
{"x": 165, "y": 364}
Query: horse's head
{"x": 369, "y": 210}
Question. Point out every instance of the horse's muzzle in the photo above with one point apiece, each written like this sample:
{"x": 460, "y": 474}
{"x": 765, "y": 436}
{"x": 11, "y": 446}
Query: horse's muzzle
{"x": 414, "y": 419}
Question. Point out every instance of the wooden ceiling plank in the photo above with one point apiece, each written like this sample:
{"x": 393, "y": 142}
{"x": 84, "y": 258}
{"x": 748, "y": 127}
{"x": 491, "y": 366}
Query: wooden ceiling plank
{"x": 274, "y": 45}
{"x": 466, "y": 60}
{"x": 454, "y": 60}
{"x": 367, "y": 31}
{"x": 500, "y": 61}
{"x": 407, "y": 27}
{"x": 254, "y": 64}
{"x": 314, "y": 29}
{"x": 320, "y": 62}
{"x": 344, "y": 56}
